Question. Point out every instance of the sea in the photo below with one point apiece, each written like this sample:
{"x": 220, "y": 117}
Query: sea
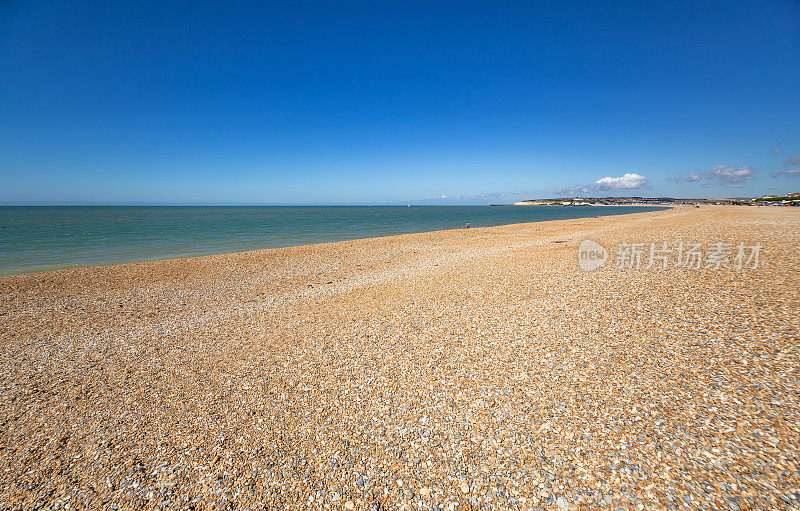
{"x": 41, "y": 238}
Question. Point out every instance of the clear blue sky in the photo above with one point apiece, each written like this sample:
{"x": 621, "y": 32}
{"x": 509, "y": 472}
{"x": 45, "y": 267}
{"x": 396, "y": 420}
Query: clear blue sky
{"x": 343, "y": 102}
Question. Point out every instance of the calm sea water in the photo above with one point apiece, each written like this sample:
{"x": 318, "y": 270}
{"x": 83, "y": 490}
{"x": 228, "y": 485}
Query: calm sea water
{"x": 45, "y": 238}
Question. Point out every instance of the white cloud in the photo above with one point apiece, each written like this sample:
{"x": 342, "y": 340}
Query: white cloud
{"x": 721, "y": 174}
{"x": 789, "y": 173}
{"x": 629, "y": 181}
{"x": 729, "y": 175}
{"x": 793, "y": 160}
{"x": 691, "y": 177}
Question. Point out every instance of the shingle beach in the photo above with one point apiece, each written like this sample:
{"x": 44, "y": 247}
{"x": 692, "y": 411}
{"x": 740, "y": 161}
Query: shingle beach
{"x": 463, "y": 369}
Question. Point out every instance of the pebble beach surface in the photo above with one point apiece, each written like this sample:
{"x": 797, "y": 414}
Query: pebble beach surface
{"x": 463, "y": 369}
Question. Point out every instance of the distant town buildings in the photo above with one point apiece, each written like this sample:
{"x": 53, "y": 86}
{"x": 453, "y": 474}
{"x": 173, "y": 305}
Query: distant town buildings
{"x": 789, "y": 199}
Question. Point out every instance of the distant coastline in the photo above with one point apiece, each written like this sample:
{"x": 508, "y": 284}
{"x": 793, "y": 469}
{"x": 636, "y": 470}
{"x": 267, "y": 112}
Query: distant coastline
{"x": 790, "y": 199}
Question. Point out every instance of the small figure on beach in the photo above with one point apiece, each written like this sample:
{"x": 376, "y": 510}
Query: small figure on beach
{"x": 467, "y": 225}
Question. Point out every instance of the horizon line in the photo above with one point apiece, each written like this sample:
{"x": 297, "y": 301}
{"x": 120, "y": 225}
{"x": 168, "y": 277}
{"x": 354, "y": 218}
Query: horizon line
{"x": 415, "y": 202}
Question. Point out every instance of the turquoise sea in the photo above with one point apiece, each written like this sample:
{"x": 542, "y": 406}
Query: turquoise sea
{"x": 44, "y": 238}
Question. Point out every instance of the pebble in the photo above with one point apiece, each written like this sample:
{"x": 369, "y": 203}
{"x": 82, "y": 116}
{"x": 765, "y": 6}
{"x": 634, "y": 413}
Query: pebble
{"x": 478, "y": 369}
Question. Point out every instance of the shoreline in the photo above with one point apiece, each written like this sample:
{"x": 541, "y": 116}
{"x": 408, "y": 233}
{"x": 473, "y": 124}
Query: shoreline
{"x": 460, "y": 369}
{"x": 52, "y": 268}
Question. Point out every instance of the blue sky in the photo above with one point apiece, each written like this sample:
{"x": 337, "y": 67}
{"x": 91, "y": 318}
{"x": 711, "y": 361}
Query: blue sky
{"x": 344, "y": 102}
